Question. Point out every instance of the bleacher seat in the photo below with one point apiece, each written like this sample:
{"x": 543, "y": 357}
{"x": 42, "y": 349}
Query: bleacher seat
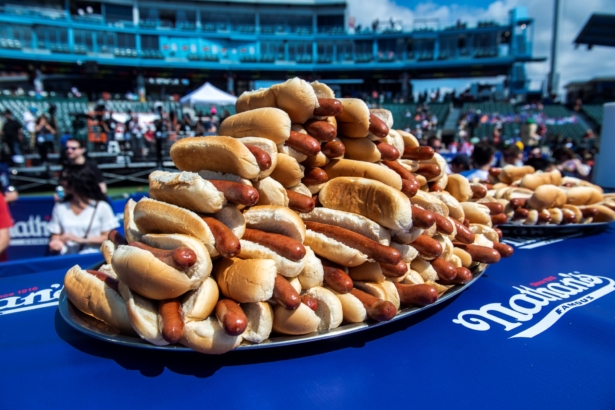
{"x": 595, "y": 112}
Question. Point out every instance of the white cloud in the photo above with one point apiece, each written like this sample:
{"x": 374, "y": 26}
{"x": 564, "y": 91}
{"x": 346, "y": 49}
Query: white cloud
{"x": 573, "y": 64}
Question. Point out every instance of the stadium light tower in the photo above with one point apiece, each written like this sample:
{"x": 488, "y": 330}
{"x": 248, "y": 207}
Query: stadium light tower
{"x": 553, "y": 76}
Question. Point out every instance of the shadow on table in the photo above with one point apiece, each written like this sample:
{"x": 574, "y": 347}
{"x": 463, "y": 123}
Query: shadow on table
{"x": 152, "y": 363}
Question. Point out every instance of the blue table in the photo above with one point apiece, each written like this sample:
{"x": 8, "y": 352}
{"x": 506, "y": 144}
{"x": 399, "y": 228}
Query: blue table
{"x": 557, "y": 353}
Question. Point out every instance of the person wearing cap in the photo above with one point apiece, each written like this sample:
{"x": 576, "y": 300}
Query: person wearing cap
{"x": 460, "y": 163}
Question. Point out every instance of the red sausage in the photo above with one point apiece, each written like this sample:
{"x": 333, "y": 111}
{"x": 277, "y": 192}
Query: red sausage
{"x": 314, "y": 176}
{"x": 117, "y": 238}
{"x": 337, "y": 279}
{"x": 464, "y": 234}
{"x": 421, "y": 218}
{"x": 328, "y": 107}
{"x": 231, "y": 317}
{"x": 378, "y": 127}
{"x": 280, "y": 244}
{"x": 170, "y": 310}
{"x": 236, "y": 193}
{"x": 285, "y": 294}
{"x": 377, "y": 309}
{"x": 427, "y": 247}
{"x": 303, "y": 143}
{"x": 262, "y": 158}
{"x": 429, "y": 171}
{"x": 416, "y": 295}
{"x": 333, "y": 149}
{"x": 109, "y": 281}
{"x": 444, "y": 269}
{"x": 180, "y": 258}
{"x": 299, "y": 202}
{"x": 418, "y": 153}
{"x": 387, "y": 151}
{"x": 394, "y": 271}
{"x": 321, "y": 130}
{"x": 310, "y": 302}
{"x": 226, "y": 242}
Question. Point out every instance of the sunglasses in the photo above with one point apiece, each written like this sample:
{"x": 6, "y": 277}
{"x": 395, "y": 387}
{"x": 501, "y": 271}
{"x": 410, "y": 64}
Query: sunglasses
{"x": 71, "y": 148}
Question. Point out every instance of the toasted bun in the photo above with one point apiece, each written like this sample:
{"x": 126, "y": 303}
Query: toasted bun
{"x": 197, "y": 272}
{"x": 251, "y": 100}
{"x": 407, "y": 236}
{"x": 143, "y": 314}
{"x": 207, "y": 336}
{"x": 350, "y": 168}
{"x": 266, "y": 145}
{"x": 329, "y": 309}
{"x": 313, "y": 273}
{"x": 409, "y": 139}
{"x": 260, "y": 321}
{"x": 205, "y": 174}
{"x": 353, "y": 309}
{"x": 107, "y": 248}
{"x": 271, "y": 192}
{"x": 385, "y": 115}
{"x": 95, "y": 298}
{"x": 300, "y": 321}
{"x": 488, "y": 232}
{"x": 322, "y": 90}
{"x": 408, "y": 253}
{"x": 556, "y": 215}
{"x": 424, "y": 268}
{"x": 270, "y": 123}
{"x": 429, "y": 202}
{"x": 187, "y": 190}
{"x": 233, "y": 219}
{"x": 246, "y": 281}
{"x": 200, "y": 303}
{"x": 511, "y": 173}
{"x": 455, "y": 210}
{"x": 373, "y": 199}
{"x": 354, "y": 222}
{"x": 220, "y": 154}
{"x": 367, "y": 272}
{"x": 476, "y": 213}
{"x": 466, "y": 259}
{"x": 276, "y": 219}
{"x": 318, "y": 160}
{"x": 532, "y": 218}
{"x": 131, "y": 231}
{"x": 301, "y": 189}
{"x": 353, "y": 122}
{"x": 297, "y": 98}
{"x": 533, "y": 181}
{"x": 459, "y": 187}
{"x": 605, "y": 214}
{"x": 578, "y": 216}
{"x": 547, "y": 196}
{"x": 333, "y": 250}
{"x": 288, "y": 172}
{"x": 583, "y": 195}
{"x": 360, "y": 149}
{"x": 284, "y": 266}
{"x": 153, "y": 216}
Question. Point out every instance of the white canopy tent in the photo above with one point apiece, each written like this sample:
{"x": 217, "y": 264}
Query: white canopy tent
{"x": 208, "y": 94}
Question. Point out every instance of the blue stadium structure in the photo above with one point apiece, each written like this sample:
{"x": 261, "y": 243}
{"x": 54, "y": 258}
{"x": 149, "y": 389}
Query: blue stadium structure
{"x": 236, "y": 44}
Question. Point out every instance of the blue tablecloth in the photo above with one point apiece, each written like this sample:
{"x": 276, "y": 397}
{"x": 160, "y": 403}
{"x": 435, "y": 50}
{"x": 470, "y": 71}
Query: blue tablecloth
{"x": 555, "y": 349}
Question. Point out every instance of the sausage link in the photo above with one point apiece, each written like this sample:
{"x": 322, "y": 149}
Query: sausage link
{"x": 394, "y": 271}
{"x": 299, "y": 202}
{"x": 495, "y": 172}
{"x": 328, "y": 107}
{"x": 410, "y": 187}
{"x": 434, "y": 187}
{"x": 464, "y": 275}
{"x": 503, "y": 249}
{"x": 500, "y": 219}
{"x": 478, "y": 191}
{"x": 387, "y": 151}
{"x": 280, "y": 244}
{"x": 479, "y": 253}
{"x": 310, "y": 302}
{"x": 520, "y": 213}
{"x": 495, "y": 208}
{"x": 378, "y": 127}
{"x": 444, "y": 269}
{"x": 416, "y": 295}
{"x": 333, "y": 149}
{"x": 231, "y": 317}
{"x": 399, "y": 169}
{"x": 170, "y": 311}
{"x": 568, "y": 217}
{"x": 443, "y": 224}
{"x": 544, "y": 217}
{"x": 109, "y": 281}
{"x": 464, "y": 234}
{"x": 337, "y": 279}
{"x": 427, "y": 247}
{"x": 314, "y": 176}
{"x": 226, "y": 242}
{"x": 374, "y": 250}
{"x": 236, "y": 193}
{"x": 418, "y": 153}
{"x": 262, "y": 158}
{"x": 377, "y": 309}
{"x": 499, "y": 232}
{"x": 421, "y": 218}
{"x": 589, "y": 212}
{"x": 429, "y": 171}
{"x": 180, "y": 258}
{"x": 285, "y": 294}
{"x": 518, "y": 203}
{"x": 117, "y": 238}
{"x": 303, "y": 143}
{"x": 466, "y": 223}
{"x": 321, "y": 130}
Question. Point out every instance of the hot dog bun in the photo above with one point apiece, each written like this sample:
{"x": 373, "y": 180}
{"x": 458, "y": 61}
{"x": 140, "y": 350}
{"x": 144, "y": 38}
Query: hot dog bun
{"x": 372, "y": 199}
{"x": 131, "y": 231}
{"x": 187, "y": 190}
{"x": 512, "y": 173}
{"x": 270, "y": 123}
{"x": 200, "y": 303}
{"x": 547, "y": 196}
{"x": 353, "y": 122}
{"x": 361, "y": 149}
{"x": 246, "y": 281}
{"x": 352, "y": 309}
{"x": 534, "y": 180}
{"x": 260, "y": 321}
{"x": 354, "y": 222}
{"x": 94, "y": 297}
{"x": 329, "y": 308}
{"x": 334, "y": 250}
{"x": 300, "y": 321}
{"x": 459, "y": 187}
{"x": 288, "y": 172}
{"x": 313, "y": 272}
{"x": 207, "y": 336}
{"x": 143, "y": 314}
{"x": 276, "y": 219}
{"x": 266, "y": 145}
{"x": 350, "y": 168}
{"x": 583, "y": 195}
{"x": 271, "y": 192}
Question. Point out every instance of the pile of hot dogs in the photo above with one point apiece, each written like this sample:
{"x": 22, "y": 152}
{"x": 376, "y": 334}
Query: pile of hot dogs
{"x": 546, "y": 198}
{"x": 308, "y": 213}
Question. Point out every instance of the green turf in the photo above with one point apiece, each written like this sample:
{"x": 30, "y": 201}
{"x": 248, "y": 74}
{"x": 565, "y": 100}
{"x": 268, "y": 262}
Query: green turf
{"x": 111, "y": 191}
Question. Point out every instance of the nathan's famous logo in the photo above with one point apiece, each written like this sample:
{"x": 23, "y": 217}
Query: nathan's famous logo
{"x": 33, "y": 298}
{"x": 34, "y": 231}
{"x": 530, "y": 301}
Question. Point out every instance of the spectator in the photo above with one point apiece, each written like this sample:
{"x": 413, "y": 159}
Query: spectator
{"x": 29, "y": 120}
{"x": 45, "y": 137}
{"x": 6, "y": 221}
{"x": 75, "y": 157}
{"x": 435, "y": 143}
{"x": 512, "y": 155}
{"x": 12, "y": 135}
{"x": 82, "y": 221}
{"x": 540, "y": 164}
{"x": 186, "y": 124}
{"x": 460, "y": 163}
{"x": 569, "y": 165}
{"x": 162, "y": 133}
{"x": 135, "y": 134}
{"x": 482, "y": 159}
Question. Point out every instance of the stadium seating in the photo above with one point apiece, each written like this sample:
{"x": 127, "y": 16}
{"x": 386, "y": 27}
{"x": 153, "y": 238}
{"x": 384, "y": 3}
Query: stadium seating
{"x": 402, "y": 121}
{"x": 64, "y": 107}
{"x": 490, "y": 107}
{"x": 595, "y": 112}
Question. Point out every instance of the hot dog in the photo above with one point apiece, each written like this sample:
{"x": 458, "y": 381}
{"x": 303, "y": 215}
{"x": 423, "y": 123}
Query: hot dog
{"x": 377, "y": 309}
{"x": 427, "y": 247}
{"x": 333, "y": 149}
{"x": 479, "y": 253}
{"x": 328, "y": 107}
{"x": 231, "y": 317}
{"x": 310, "y": 302}
{"x": 172, "y": 321}
{"x": 299, "y": 202}
{"x": 495, "y": 172}
{"x": 416, "y": 295}
{"x": 378, "y": 127}
{"x": 394, "y": 271}
{"x": 418, "y": 153}
{"x": 429, "y": 171}
{"x": 236, "y": 193}
{"x": 410, "y": 187}
{"x": 568, "y": 217}
{"x": 314, "y": 176}
{"x": 518, "y": 203}
{"x": 262, "y": 158}
{"x": 321, "y": 130}
{"x": 422, "y": 218}
{"x": 499, "y": 219}
{"x": 109, "y": 281}
{"x": 464, "y": 234}
{"x": 544, "y": 217}
{"x": 478, "y": 191}
{"x": 589, "y": 212}
{"x": 180, "y": 258}
{"x": 495, "y": 208}
{"x": 443, "y": 224}
{"x": 226, "y": 242}
{"x": 387, "y": 151}
{"x": 374, "y": 250}
{"x": 117, "y": 238}
{"x": 285, "y": 294}
{"x": 337, "y": 279}
{"x": 499, "y": 232}
{"x": 303, "y": 143}
{"x": 281, "y": 244}
{"x": 434, "y": 187}
{"x": 520, "y": 213}
{"x": 464, "y": 275}
{"x": 466, "y": 222}
{"x": 444, "y": 269}
{"x": 503, "y": 249}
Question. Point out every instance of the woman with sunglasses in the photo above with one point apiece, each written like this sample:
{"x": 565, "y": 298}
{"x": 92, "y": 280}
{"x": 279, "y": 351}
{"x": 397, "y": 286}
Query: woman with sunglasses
{"x": 75, "y": 155}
